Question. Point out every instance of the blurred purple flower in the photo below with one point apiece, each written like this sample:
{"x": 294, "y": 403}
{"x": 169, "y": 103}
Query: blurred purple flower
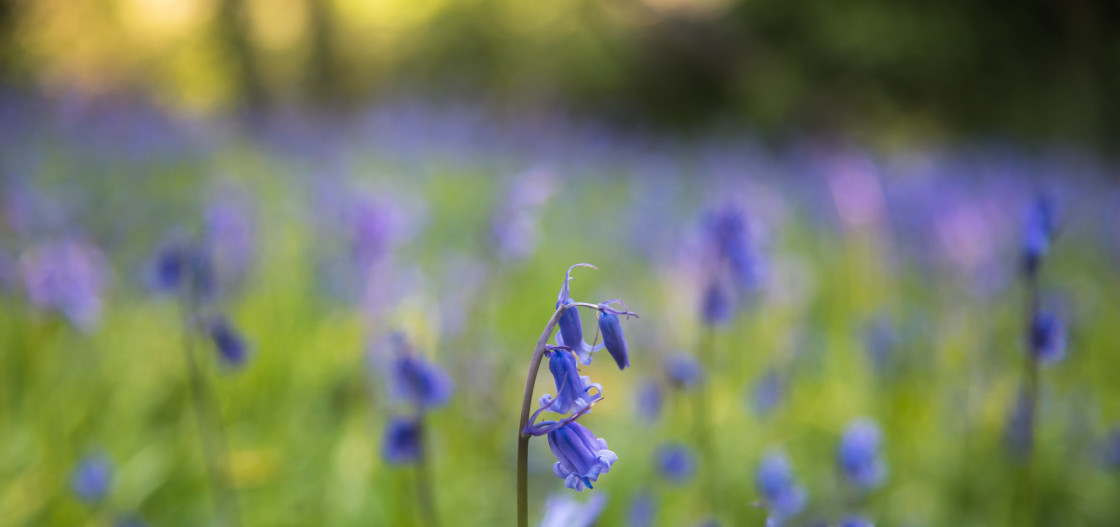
{"x": 419, "y": 382}
{"x": 230, "y": 236}
{"x": 675, "y": 462}
{"x": 858, "y": 455}
{"x": 231, "y": 346}
{"x": 92, "y": 478}
{"x": 650, "y": 399}
{"x": 402, "y": 440}
{"x": 683, "y": 371}
{"x": 641, "y": 511}
{"x": 854, "y": 521}
{"x": 1048, "y": 338}
{"x": 67, "y": 277}
{"x": 1041, "y": 226}
{"x": 783, "y": 496}
{"x": 768, "y": 392}
{"x": 562, "y": 511}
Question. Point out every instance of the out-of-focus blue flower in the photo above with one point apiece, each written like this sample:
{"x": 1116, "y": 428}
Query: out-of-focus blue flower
{"x": 562, "y": 511}
{"x": 581, "y": 457}
{"x": 717, "y": 304}
{"x": 573, "y": 392}
{"x": 675, "y": 462}
{"x": 880, "y": 341}
{"x": 1020, "y": 426}
{"x": 92, "y": 478}
{"x": 1048, "y": 338}
{"x": 230, "y": 345}
{"x": 683, "y": 371}
{"x": 67, "y": 277}
{"x": 650, "y": 400}
{"x": 1110, "y": 449}
{"x": 641, "y": 511}
{"x": 1041, "y": 225}
{"x": 230, "y": 235}
{"x": 178, "y": 264}
{"x": 855, "y": 521}
{"x": 728, "y": 233}
{"x": 783, "y": 496}
{"x": 402, "y": 440}
{"x": 859, "y": 456}
{"x": 768, "y": 393}
{"x": 419, "y": 382}
{"x": 613, "y": 338}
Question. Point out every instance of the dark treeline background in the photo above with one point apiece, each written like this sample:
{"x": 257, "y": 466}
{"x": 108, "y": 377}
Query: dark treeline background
{"x": 1030, "y": 70}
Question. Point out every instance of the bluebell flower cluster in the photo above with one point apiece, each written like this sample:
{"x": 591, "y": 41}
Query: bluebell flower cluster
{"x": 683, "y": 371}
{"x": 1047, "y": 338}
{"x": 1041, "y": 227}
{"x": 581, "y": 456}
{"x": 783, "y": 496}
{"x": 768, "y": 392}
{"x": 859, "y": 456}
{"x": 641, "y": 511}
{"x": 67, "y": 277}
{"x": 402, "y": 440}
{"x": 232, "y": 348}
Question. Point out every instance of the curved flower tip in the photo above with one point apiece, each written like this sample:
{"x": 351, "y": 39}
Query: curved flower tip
{"x": 581, "y": 457}
{"x": 564, "y": 288}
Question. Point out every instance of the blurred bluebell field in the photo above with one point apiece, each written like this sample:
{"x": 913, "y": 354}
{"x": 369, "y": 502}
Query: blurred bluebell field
{"x": 316, "y": 322}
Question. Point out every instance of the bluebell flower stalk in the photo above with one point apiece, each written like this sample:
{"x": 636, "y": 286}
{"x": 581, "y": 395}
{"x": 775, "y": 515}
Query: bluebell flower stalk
{"x": 581, "y": 457}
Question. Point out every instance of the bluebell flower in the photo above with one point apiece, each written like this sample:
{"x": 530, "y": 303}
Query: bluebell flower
{"x": 573, "y": 391}
{"x": 641, "y": 511}
{"x": 1041, "y": 226}
{"x": 402, "y": 441}
{"x": 230, "y": 345}
{"x": 855, "y": 521}
{"x": 178, "y": 264}
{"x": 562, "y": 511}
{"x": 581, "y": 457}
{"x": 783, "y": 496}
{"x": 419, "y": 382}
{"x": 613, "y": 338}
{"x": 880, "y": 341}
{"x": 92, "y": 478}
{"x": 1048, "y": 338}
{"x": 675, "y": 462}
{"x": 683, "y": 371}
{"x": 768, "y": 393}
{"x": 858, "y": 455}
{"x": 650, "y": 400}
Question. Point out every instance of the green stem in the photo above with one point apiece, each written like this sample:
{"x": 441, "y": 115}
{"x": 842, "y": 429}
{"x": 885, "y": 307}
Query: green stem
{"x": 703, "y": 426}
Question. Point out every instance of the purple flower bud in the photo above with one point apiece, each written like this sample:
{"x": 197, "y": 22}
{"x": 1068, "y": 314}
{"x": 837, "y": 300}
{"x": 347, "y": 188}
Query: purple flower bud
{"x": 858, "y": 455}
{"x": 675, "y": 462}
{"x": 402, "y": 441}
{"x": 573, "y": 392}
{"x": 571, "y": 327}
{"x": 231, "y": 346}
{"x": 419, "y": 382}
{"x": 92, "y": 477}
{"x": 581, "y": 457}
{"x": 1048, "y": 338}
{"x": 613, "y": 339}
{"x": 561, "y": 511}
{"x": 178, "y": 264}
{"x": 783, "y": 496}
